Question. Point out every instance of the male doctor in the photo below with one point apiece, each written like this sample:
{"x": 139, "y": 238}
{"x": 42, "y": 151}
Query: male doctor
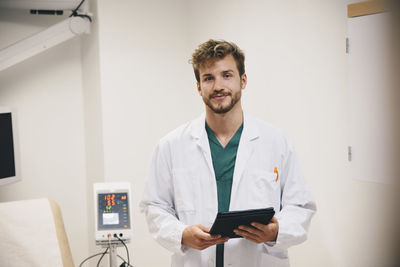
{"x": 225, "y": 160}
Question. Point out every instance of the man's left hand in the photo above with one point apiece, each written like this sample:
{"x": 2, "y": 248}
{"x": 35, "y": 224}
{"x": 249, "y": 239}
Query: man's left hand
{"x": 259, "y": 233}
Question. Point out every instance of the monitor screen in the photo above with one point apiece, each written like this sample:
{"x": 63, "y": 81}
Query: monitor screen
{"x": 113, "y": 211}
{"x": 7, "y": 155}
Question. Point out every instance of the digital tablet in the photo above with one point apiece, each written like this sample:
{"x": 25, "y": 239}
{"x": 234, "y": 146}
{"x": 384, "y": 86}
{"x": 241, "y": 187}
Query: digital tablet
{"x": 226, "y": 222}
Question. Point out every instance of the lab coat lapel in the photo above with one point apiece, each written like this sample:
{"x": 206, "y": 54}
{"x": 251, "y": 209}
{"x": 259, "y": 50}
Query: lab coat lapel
{"x": 199, "y": 135}
{"x": 248, "y": 141}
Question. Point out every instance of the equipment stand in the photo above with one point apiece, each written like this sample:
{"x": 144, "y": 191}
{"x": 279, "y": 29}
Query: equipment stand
{"x": 113, "y": 255}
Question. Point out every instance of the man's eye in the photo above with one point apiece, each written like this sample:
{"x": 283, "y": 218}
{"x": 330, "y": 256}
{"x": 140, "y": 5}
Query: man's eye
{"x": 227, "y": 75}
{"x": 208, "y": 78}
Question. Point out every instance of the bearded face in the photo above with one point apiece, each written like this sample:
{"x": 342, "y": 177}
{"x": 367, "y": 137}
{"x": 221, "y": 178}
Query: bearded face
{"x": 221, "y": 85}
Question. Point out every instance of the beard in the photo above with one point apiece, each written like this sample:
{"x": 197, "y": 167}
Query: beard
{"x": 221, "y": 108}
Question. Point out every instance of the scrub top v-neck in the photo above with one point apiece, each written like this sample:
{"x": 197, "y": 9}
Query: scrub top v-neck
{"x": 223, "y": 159}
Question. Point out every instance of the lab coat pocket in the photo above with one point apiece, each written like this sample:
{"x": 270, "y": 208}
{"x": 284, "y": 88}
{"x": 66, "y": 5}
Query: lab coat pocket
{"x": 265, "y": 189}
{"x": 274, "y": 261}
{"x": 185, "y": 191}
{"x": 272, "y": 256}
{"x": 266, "y": 180}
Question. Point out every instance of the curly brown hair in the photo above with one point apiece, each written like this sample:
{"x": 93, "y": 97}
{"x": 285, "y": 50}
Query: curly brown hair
{"x": 212, "y": 50}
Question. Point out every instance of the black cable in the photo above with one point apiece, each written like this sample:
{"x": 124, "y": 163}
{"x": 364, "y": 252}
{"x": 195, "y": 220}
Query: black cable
{"x": 127, "y": 252}
{"x": 88, "y": 258}
{"x": 124, "y": 261}
{"x": 84, "y": 16}
{"x": 75, "y": 12}
{"x": 104, "y": 253}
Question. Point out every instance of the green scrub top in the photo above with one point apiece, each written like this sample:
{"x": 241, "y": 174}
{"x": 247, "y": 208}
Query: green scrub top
{"x": 223, "y": 159}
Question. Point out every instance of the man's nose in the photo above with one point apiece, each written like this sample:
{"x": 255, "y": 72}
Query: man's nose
{"x": 218, "y": 84}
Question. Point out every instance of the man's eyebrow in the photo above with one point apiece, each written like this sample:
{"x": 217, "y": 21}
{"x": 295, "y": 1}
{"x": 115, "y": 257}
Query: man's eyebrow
{"x": 224, "y": 72}
{"x": 209, "y": 74}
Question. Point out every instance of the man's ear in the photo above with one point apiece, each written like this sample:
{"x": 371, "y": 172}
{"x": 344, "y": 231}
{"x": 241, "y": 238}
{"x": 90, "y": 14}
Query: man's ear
{"x": 243, "y": 81}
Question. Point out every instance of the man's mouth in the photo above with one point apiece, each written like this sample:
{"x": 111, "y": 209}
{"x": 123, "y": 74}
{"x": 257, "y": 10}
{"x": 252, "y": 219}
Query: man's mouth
{"x": 219, "y": 96}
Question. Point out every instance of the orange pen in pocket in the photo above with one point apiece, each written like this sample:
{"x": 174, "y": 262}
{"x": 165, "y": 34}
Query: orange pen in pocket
{"x": 277, "y": 174}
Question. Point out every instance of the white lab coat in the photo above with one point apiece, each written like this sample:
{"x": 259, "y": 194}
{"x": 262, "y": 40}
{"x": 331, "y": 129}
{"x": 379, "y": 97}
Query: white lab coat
{"x": 181, "y": 191}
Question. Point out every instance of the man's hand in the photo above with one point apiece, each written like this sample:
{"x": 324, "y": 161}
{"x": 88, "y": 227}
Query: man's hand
{"x": 197, "y": 237}
{"x": 259, "y": 233}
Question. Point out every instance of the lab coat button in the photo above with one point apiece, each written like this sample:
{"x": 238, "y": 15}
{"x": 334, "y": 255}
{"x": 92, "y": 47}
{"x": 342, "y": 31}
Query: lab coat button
{"x": 211, "y": 263}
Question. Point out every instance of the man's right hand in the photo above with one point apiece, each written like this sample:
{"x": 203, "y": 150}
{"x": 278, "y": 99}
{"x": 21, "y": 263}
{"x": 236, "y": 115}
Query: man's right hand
{"x": 197, "y": 237}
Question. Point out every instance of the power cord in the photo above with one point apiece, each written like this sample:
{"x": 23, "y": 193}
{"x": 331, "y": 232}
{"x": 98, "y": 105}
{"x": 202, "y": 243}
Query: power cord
{"x": 90, "y": 257}
{"x": 102, "y": 256}
{"x": 123, "y": 243}
{"x": 123, "y": 264}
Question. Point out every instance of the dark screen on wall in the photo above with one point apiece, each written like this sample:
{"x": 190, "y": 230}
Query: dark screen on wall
{"x": 7, "y": 162}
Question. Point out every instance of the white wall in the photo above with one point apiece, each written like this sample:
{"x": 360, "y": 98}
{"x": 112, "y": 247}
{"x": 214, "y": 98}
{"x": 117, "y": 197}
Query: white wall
{"x": 297, "y": 69}
{"x": 90, "y": 57}
{"x": 138, "y": 85}
{"x": 46, "y": 92}
{"x": 147, "y": 90}
{"x": 296, "y": 64}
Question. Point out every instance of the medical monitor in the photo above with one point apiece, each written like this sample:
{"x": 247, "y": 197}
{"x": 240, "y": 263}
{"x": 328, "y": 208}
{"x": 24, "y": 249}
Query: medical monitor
{"x": 113, "y": 220}
{"x": 9, "y": 160}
